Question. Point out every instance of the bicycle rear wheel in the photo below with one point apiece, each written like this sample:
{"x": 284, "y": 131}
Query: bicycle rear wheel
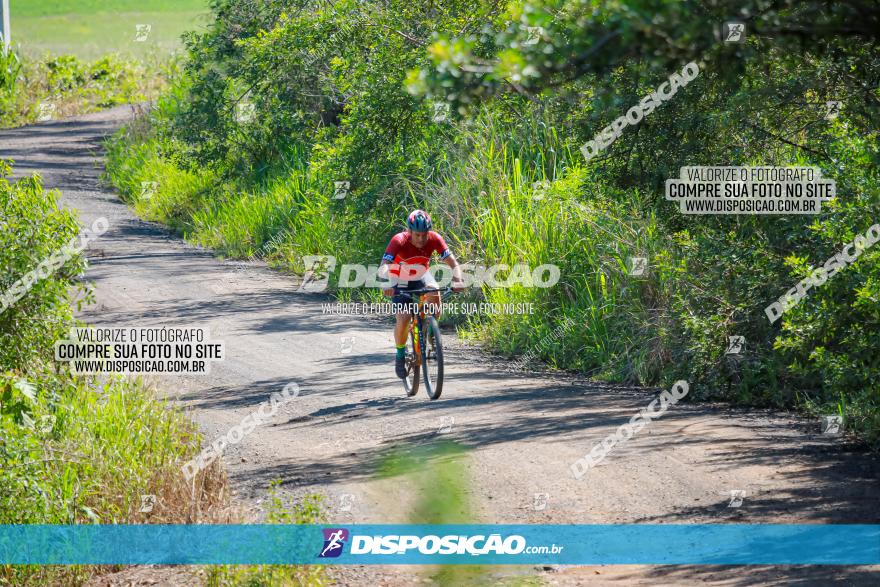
{"x": 411, "y": 381}
{"x": 432, "y": 360}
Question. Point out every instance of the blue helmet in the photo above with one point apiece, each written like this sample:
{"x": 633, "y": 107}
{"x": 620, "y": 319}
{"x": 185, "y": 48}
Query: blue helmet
{"x": 419, "y": 221}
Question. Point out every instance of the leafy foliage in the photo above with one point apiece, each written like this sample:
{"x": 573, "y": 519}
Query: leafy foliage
{"x": 63, "y": 85}
{"x": 74, "y": 449}
{"x": 351, "y": 91}
{"x": 34, "y": 228}
{"x": 10, "y": 67}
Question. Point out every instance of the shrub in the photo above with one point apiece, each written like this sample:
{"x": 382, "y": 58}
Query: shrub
{"x": 77, "y": 449}
{"x": 333, "y": 101}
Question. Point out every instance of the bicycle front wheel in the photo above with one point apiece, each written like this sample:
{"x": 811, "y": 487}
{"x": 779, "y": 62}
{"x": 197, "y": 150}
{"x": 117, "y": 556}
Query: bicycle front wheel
{"x": 432, "y": 358}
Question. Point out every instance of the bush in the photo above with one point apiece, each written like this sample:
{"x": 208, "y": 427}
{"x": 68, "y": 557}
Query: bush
{"x": 10, "y": 67}
{"x": 62, "y": 85}
{"x": 333, "y": 101}
{"x": 77, "y": 449}
{"x": 34, "y": 227}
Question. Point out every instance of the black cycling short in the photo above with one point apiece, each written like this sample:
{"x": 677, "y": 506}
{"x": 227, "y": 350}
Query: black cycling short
{"x": 415, "y": 284}
{"x": 410, "y": 285}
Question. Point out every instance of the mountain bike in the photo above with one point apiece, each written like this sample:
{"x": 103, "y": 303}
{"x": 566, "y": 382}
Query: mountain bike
{"x": 424, "y": 350}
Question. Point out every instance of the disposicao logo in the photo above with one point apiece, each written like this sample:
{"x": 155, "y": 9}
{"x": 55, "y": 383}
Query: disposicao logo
{"x": 473, "y": 545}
{"x": 334, "y": 542}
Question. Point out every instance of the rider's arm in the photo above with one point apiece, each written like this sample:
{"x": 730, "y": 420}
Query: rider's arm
{"x": 387, "y": 264}
{"x": 447, "y": 257}
{"x": 383, "y": 271}
{"x": 384, "y": 275}
{"x": 456, "y": 270}
{"x": 388, "y": 259}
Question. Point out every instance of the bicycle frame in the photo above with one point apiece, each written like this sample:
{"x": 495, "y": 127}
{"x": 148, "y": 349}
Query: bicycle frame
{"x": 418, "y": 318}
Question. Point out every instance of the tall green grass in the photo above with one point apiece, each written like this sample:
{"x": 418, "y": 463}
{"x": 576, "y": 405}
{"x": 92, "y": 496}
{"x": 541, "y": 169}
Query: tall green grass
{"x": 78, "y": 450}
{"x": 74, "y": 449}
{"x": 489, "y": 203}
{"x": 438, "y": 478}
{"x": 291, "y": 206}
{"x": 309, "y": 510}
{"x": 500, "y": 203}
{"x": 81, "y": 450}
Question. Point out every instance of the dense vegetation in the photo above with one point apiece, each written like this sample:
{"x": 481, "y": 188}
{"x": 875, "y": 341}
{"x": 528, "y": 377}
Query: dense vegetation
{"x": 350, "y": 90}
{"x": 76, "y": 449}
{"x": 53, "y": 87}
{"x": 85, "y": 449}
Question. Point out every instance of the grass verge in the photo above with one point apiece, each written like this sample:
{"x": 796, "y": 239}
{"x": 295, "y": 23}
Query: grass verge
{"x": 88, "y": 449}
{"x": 52, "y": 87}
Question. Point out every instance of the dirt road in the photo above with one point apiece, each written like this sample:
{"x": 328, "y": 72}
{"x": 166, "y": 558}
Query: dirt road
{"x": 522, "y": 431}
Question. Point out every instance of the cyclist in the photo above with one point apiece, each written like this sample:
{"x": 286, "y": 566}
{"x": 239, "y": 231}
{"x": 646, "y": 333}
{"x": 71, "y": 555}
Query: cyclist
{"x": 408, "y": 256}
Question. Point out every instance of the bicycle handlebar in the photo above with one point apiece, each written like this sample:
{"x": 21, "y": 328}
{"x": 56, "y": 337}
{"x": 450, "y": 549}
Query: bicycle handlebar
{"x": 411, "y": 292}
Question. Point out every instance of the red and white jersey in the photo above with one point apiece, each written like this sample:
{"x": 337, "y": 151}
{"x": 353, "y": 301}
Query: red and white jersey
{"x": 408, "y": 262}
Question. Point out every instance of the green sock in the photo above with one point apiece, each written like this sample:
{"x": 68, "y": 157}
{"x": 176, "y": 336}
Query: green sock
{"x": 401, "y": 351}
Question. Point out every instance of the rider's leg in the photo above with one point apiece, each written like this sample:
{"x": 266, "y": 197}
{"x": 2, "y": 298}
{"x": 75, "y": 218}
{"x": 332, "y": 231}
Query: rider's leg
{"x": 401, "y": 330}
{"x": 433, "y": 299}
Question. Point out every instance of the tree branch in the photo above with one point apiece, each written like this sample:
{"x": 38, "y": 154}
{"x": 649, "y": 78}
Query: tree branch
{"x": 787, "y": 142}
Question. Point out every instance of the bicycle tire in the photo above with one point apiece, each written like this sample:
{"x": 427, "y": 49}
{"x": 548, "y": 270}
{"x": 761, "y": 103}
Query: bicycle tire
{"x": 432, "y": 355}
{"x": 411, "y": 381}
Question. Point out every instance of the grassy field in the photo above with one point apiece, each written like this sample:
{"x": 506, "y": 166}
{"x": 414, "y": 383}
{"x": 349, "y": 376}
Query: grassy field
{"x": 91, "y": 28}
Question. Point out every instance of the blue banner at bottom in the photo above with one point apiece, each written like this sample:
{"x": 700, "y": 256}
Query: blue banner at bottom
{"x": 657, "y": 544}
